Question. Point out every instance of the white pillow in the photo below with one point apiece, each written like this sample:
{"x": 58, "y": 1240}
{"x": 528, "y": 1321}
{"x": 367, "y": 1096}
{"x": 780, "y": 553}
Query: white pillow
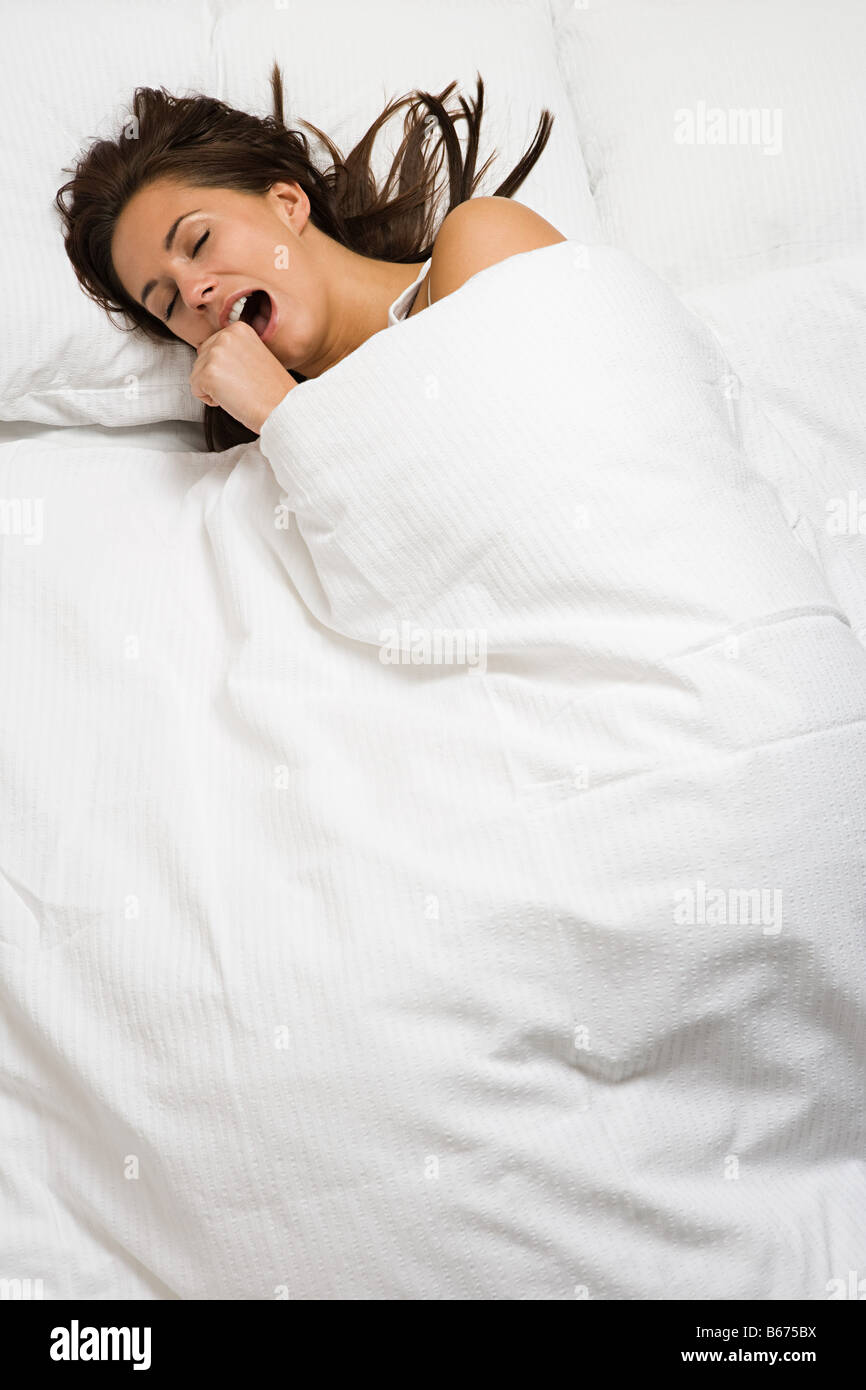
{"x": 76, "y": 67}
{"x": 77, "y": 63}
{"x": 343, "y": 61}
{"x": 654, "y": 83}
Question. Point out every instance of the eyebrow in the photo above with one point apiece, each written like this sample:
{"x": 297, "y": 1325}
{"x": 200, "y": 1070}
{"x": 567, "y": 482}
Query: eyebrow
{"x": 167, "y": 244}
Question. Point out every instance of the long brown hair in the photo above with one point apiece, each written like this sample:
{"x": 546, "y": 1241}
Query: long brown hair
{"x": 211, "y": 145}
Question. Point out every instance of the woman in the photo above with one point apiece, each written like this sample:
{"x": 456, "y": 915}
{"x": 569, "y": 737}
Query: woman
{"x": 216, "y": 227}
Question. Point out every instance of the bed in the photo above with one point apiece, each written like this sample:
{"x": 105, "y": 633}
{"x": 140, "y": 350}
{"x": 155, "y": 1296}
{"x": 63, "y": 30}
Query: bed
{"x": 330, "y": 977}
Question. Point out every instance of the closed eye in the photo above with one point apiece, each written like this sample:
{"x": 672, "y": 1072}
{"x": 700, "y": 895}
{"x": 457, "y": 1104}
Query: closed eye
{"x": 202, "y": 239}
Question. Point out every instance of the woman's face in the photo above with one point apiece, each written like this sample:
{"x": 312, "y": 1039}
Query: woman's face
{"x": 223, "y": 244}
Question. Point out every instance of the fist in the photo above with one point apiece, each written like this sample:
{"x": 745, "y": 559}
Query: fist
{"x": 235, "y": 370}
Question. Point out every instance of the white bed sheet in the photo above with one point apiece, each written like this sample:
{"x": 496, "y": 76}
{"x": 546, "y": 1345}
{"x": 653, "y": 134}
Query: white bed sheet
{"x": 183, "y": 1038}
{"x": 171, "y": 435}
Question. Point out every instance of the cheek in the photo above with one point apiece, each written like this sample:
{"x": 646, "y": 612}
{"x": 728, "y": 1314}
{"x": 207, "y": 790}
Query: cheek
{"x": 299, "y": 335}
{"x": 297, "y": 315}
{"x": 269, "y": 256}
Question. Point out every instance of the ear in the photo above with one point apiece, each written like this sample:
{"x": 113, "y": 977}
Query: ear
{"x": 291, "y": 204}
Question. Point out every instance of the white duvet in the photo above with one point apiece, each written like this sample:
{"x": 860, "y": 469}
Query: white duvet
{"x": 536, "y": 976}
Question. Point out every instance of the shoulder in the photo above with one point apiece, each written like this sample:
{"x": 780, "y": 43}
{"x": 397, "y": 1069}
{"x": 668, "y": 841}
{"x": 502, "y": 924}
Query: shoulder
{"x": 480, "y": 232}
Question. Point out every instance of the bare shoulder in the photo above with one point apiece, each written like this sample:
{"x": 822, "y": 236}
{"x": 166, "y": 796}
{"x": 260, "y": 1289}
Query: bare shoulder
{"x": 480, "y": 232}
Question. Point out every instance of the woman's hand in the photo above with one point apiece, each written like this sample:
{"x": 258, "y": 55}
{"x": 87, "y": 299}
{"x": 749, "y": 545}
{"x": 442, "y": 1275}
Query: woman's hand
{"x": 235, "y": 370}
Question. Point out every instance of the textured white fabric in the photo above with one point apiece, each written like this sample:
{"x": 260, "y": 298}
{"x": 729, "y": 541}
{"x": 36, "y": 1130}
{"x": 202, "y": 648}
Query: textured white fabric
{"x": 721, "y": 139}
{"x": 375, "y": 970}
{"x": 72, "y": 67}
{"x": 175, "y": 436}
{"x": 400, "y": 307}
{"x": 796, "y": 341}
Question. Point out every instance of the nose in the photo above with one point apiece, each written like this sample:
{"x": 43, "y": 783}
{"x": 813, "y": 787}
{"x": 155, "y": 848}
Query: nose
{"x": 196, "y": 290}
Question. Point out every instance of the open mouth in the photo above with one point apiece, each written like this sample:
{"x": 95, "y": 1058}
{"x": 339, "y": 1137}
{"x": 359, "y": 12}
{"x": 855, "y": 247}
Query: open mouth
{"x": 256, "y": 310}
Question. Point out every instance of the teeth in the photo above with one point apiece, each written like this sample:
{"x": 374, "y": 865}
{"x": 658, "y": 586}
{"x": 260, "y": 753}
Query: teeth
{"x": 237, "y": 309}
